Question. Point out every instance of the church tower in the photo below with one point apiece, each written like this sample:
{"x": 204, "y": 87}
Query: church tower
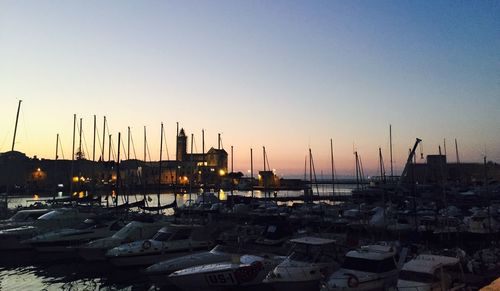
{"x": 181, "y": 146}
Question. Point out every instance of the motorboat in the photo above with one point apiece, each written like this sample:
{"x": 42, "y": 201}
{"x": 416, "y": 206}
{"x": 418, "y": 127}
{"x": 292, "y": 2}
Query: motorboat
{"x": 96, "y": 250}
{"x": 244, "y": 271}
{"x": 158, "y": 273}
{"x": 22, "y": 217}
{"x": 371, "y": 267}
{"x": 67, "y": 239}
{"x": 10, "y": 239}
{"x": 311, "y": 258}
{"x": 431, "y": 273}
{"x": 169, "y": 242}
{"x": 275, "y": 234}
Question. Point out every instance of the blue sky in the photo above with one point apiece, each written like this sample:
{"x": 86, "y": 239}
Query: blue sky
{"x": 285, "y": 74}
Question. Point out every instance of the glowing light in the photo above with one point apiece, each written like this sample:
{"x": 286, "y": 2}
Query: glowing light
{"x": 36, "y": 197}
{"x": 222, "y": 172}
{"x": 38, "y": 170}
{"x": 75, "y": 179}
{"x": 222, "y": 195}
{"x": 81, "y": 194}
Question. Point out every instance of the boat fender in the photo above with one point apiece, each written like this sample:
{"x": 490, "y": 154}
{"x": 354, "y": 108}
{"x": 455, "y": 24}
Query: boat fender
{"x": 146, "y": 245}
{"x": 352, "y": 281}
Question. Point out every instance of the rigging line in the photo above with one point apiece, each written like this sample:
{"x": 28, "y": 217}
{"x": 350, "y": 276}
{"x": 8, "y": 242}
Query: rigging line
{"x": 137, "y": 164}
{"x": 195, "y": 145}
{"x": 112, "y": 150}
{"x": 266, "y": 161}
{"x": 85, "y": 144}
{"x": 60, "y": 146}
{"x": 98, "y": 135}
{"x": 314, "y": 173}
{"x": 165, "y": 141}
{"x": 361, "y": 171}
{"x": 133, "y": 146}
{"x": 149, "y": 153}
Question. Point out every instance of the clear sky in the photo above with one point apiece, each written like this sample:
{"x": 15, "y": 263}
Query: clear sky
{"x": 287, "y": 75}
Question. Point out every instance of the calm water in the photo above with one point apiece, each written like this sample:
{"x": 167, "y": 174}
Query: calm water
{"x": 29, "y": 270}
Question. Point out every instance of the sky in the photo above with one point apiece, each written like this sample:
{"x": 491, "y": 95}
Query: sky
{"x": 287, "y": 75}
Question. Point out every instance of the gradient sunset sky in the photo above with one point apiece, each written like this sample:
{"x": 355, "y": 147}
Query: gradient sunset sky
{"x": 287, "y": 75}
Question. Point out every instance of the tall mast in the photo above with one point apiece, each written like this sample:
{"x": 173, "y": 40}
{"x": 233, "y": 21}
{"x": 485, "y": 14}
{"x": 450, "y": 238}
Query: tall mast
{"x": 15, "y": 127}
{"x": 203, "y": 145}
{"x": 264, "y": 156}
{"x": 333, "y": 167}
{"x": 103, "y": 138}
{"x": 444, "y": 145}
{"x": 159, "y": 167}
{"x": 456, "y": 150}
{"x": 55, "y": 161}
{"x": 232, "y": 160}
{"x": 57, "y": 146}
{"x": 73, "y": 154}
{"x": 357, "y": 169}
{"x": 117, "y": 169}
{"x": 264, "y": 180}
{"x": 218, "y": 141}
{"x": 390, "y": 146}
{"x": 145, "y": 145}
{"x": 93, "y": 142}
{"x": 251, "y": 169}
{"x": 310, "y": 167}
{"x": 128, "y": 143}
{"x": 382, "y": 168}
{"x": 109, "y": 149}
{"x": 80, "y": 151}
{"x": 191, "y": 168}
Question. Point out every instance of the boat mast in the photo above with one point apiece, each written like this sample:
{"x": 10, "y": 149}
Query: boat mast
{"x": 15, "y": 127}
{"x": 382, "y": 168}
{"x": 128, "y": 143}
{"x": 333, "y": 167}
{"x": 390, "y": 146}
{"x": 191, "y": 169}
{"x": 93, "y": 142}
{"x": 55, "y": 163}
{"x": 72, "y": 155}
{"x": 103, "y": 139}
{"x": 251, "y": 170}
{"x": 109, "y": 148}
{"x": 118, "y": 170}
{"x": 159, "y": 167}
{"x": 80, "y": 151}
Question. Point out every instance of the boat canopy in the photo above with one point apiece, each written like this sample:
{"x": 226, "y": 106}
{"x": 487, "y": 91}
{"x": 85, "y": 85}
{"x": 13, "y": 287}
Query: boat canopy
{"x": 429, "y": 263}
{"x": 309, "y": 240}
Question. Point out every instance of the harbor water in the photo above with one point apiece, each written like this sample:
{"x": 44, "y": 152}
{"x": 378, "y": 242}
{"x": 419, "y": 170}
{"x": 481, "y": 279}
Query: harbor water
{"x": 29, "y": 270}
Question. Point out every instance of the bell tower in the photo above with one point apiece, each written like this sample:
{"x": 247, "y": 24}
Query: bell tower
{"x": 181, "y": 146}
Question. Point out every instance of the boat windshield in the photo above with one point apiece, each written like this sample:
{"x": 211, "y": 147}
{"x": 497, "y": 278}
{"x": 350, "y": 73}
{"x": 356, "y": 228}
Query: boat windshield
{"x": 417, "y": 276}
{"x": 367, "y": 265}
{"x": 310, "y": 253}
{"x": 126, "y": 231}
{"x": 55, "y": 214}
{"x": 162, "y": 236}
{"x": 19, "y": 216}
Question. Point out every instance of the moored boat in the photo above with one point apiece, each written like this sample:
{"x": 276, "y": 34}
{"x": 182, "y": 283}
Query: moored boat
{"x": 169, "y": 242}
